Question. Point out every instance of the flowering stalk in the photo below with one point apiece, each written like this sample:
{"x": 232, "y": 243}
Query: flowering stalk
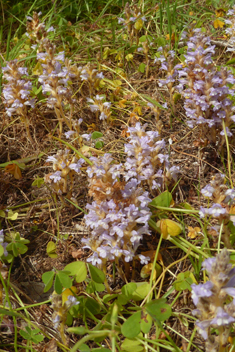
{"x": 16, "y": 92}
{"x": 206, "y": 89}
{"x": 118, "y": 216}
{"x": 222, "y": 207}
{"x": 167, "y": 59}
{"x": 215, "y": 302}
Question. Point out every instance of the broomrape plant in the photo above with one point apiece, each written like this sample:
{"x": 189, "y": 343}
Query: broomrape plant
{"x": 215, "y": 302}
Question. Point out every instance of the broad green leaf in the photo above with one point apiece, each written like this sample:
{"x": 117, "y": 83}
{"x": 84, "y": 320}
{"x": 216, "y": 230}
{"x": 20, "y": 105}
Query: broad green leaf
{"x": 47, "y": 278}
{"x": 2, "y": 214}
{"x": 146, "y": 322}
{"x": 163, "y": 200}
{"x": 64, "y": 278}
{"x": 57, "y": 285}
{"x": 84, "y": 348}
{"x": 1, "y": 250}
{"x": 158, "y": 309}
{"x": 131, "y": 327}
{"x": 96, "y": 135}
{"x": 51, "y": 249}
{"x": 143, "y": 38}
{"x": 96, "y": 274}
{"x": 141, "y": 292}
{"x": 142, "y": 67}
{"x": 109, "y": 297}
{"x": 77, "y": 269}
{"x": 128, "y": 289}
{"x": 92, "y": 306}
{"x": 186, "y": 205}
{"x": 132, "y": 346}
{"x": 99, "y": 145}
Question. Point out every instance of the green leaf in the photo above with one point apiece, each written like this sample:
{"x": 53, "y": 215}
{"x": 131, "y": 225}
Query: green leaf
{"x": 153, "y": 101}
{"x": 25, "y": 335}
{"x": 8, "y": 312}
{"x": 11, "y": 215}
{"x": 132, "y": 346}
{"x": 80, "y": 330}
{"x": 47, "y": 278}
{"x": 96, "y": 274}
{"x": 128, "y": 289}
{"x": 163, "y": 200}
{"x": 184, "y": 281}
{"x": 96, "y": 135}
{"x": 2, "y": 213}
{"x": 51, "y": 249}
{"x": 231, "y": 62}
{"x": 146, "y": 322}
{"x": 158, "y": 309}
{"x": 77, "y": 269}
{"x": 141, "y": 292}
{"x": 64, "y": 278}
{"x": 143, "y": 38}
{"x": 99, "y": 145}
{"x": 109, "y": 297}
{"x": 141, "y": 67}
{"x": 1, "y": 250}
{"x": 84, "y": 348}
{"x": 131, "y": 327}
{"x": 100, "y": 349}
{"x": 92, "y": 306}
{"x": 57, "y": 285}
{"x": 38, "y": 182}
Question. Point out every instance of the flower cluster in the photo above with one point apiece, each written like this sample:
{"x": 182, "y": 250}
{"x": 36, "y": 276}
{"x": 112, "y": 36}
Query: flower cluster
{"x": 222, "y": 208}
{"x": 16, "y": 92}
{"x": 215, "y": 309}
{"x": 205, "y": 89}
{"x": 146, "y": 160}
{"x": 231, "y": 30}
{"x": 36, "y": 30}
{"x": 119, "y": 214}
{"x": 222, "y": 197}
{"x": 61, "y": 310}
{"x": 134, "y": 21}
{"x": 65, "y": 166}
{"x": 54, "y": 81}
{"x": 97, "y": 104}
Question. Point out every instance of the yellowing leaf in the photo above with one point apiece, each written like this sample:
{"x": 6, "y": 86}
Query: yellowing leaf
{"x": 138, "y": 110}
{"x": 37, "y": 70}
{"x": 122, "y": 103}
{"x": 193, "y": 232}
{"x": 14, "y": 170}
{"x": 219, "y": 12}
{"x": 169, "y": 228}
{"x": 218, "y": 24}
{"x": 146, "y": 271}
{"x": 129, "y": 57}
{"x": 139, "y": 24}
{"x": 51, "y": 250}
{"x": 68, "y": 292}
